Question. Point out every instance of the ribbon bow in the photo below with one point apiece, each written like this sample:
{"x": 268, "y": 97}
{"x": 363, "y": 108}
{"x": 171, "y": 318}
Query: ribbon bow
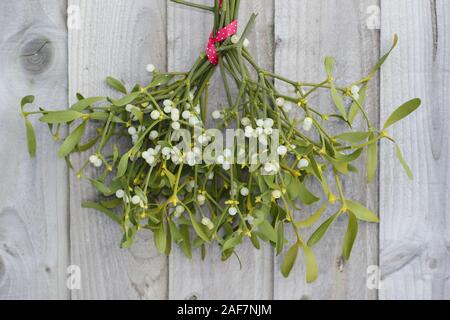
{"x": 220, "y": 36}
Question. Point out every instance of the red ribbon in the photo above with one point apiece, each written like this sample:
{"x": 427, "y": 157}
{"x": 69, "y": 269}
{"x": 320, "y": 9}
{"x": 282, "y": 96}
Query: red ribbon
{"x": 220, "y": 36}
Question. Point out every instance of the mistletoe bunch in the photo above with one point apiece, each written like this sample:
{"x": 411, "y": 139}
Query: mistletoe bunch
{"x": 190, "y": 197}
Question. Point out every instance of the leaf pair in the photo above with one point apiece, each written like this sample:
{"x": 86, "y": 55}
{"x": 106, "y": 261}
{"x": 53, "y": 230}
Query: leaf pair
{"x": 372, "y": 150}
{"x": 356, "y": 211}
{"x": 311, "y": 264}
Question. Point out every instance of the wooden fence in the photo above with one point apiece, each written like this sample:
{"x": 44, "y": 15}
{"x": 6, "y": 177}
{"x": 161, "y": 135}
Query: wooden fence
{"x": 43, "y": 228}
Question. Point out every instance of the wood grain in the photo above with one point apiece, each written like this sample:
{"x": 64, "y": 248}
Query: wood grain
{"x": 116, "y": 38}
{"x": 306, "y": 32}
{"x": 414, "y": 235}
{"x": 188, "y": 31}
{"x": 33, "y": 193}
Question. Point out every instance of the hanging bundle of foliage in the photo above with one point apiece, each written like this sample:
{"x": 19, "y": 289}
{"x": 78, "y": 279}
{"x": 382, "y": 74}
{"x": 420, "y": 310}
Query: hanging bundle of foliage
{"x": 158, "y": 168}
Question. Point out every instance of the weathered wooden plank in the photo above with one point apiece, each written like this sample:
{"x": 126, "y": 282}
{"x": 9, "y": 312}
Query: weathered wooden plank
{"x": 414, "y": 232}
{"x": 188, "y": 31}
{"x": 33, "y": 193}
{"x": 305, "y": 32}
{"x": 115, "y": 38}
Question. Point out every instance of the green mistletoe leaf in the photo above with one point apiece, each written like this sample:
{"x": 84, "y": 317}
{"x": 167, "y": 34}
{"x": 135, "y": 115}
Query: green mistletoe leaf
{"x": 312, "y": 268}
{"x": 403, "y": 162}
{"x": 320, "y": 231}
{"x": 31, "y": 138}
{"x": 72, "y": 140}
{"x": 350, "y": 235}
{"x": 306, "y": 197}
{"x": 266, "y": 229}
{"x": 160, "y": 238}
{"x": 126, "y": 100}
{"x": 56, "y": 117}
{"x": 232, "y": 242}
{"x": 96, "y": 206}
{"x": 353, "y": 137}
{"x": 402, "y": 112}
{"x": 280, "y": 237}
{"x": 116, "y": 84}
{"x": 310, "y": 221}
{"x": 372, "y": 158}
{"x": 85, "y": 103}
{"x": 289, "y": 260}
{"x": 361, "y": 212}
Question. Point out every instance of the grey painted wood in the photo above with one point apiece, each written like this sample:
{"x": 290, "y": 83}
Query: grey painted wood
{"x": 43, "y": 228}
{"x": 306, "y": 32}
{"x": 116, "y": 38}
{"x": 188, "y": 31}
{"x": 415, "y": 227}
{"x": 33, "y": 193}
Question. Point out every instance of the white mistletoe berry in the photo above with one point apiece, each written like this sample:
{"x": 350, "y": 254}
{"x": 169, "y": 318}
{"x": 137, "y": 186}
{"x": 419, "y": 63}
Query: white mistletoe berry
{"x": 245, "y": 121}
{"x": 249, "y": 132}
{"x": 268, "y": 123}
{"x": 168, "y": 103}
{"x": 167, "y": 109}
{"x": 232, "y": 211}
{"x": 150, "y": 68}
{"x": 93, "y": 159}
{"x": 120, "y": 193}
{"x": 129, "y": 107}
{"x": 150, "y": 160}
{"x": 280, "y": 101}
{"x": 216, "y": 115}
{"x": 175, "y": 114}
{"x": 276, "y": 194}
{"x": 179, "y": 210}
{"x": 132, "y": 131}
{"x": 205, "y": 221}
{"x": 282, "y": 150}
{"x": 136, "y": 199}
{"x": 98, "y": 163}
{"x": 245, "y": 192}
{"x": 355, "y": 92}
{"x": 201, "y": 199}
{"x": 303, "y": 163}
{"x": 155, "y": 115}
{"x": 208, "y": 223}
{"x": 307, "y": 123}
{"x": 246, "y": 43}
{"x": 260, "y": 122}
{"x": 153, "y": 134}
{"x": 176, "y": 125}
{"x": 186, "y": 114}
